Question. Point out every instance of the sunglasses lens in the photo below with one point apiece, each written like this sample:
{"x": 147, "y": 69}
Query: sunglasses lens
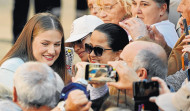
{"x": 88, "y": 48}
{"x": 98, "y": 51}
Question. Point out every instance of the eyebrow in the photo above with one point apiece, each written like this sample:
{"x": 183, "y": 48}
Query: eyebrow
{"x": 107, "y": 4}
{"x": 50, "y": 41}
{"x": 145, "y": 1}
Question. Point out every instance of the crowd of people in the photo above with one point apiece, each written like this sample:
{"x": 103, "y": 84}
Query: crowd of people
{"x": 139, "y": 39}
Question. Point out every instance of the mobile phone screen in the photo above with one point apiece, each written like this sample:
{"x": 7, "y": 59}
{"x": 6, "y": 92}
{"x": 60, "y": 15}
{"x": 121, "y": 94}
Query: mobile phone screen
{"x": 69, "y": 55}
{"x": 100, "y": 73}
{"x": 142, "y": 91}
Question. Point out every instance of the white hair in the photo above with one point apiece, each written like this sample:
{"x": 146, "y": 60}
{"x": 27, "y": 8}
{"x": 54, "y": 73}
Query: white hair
{"x": 7, "y": 105}
{"x": 35, "y": 85}
{"x": 5, "y": 92}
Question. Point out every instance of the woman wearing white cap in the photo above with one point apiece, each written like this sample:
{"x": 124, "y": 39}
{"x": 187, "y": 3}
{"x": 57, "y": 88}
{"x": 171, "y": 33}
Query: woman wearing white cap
{"x": 80, "y": 33}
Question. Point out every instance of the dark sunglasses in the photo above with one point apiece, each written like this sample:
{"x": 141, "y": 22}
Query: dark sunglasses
{"x": 79, "y": 42}
{"x": 98, "y": 51}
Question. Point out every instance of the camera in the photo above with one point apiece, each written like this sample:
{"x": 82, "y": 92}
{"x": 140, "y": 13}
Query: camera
{"x": 142, "y": 91}
{"x": 100, "y": 73}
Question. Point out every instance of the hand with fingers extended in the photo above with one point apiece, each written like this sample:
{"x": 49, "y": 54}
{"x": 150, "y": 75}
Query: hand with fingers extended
{"x": 186, "y": 40}
{"x": 163, "y": 87}
{"x": 77, "y": 101}
{"x": 135, "y": 27}
{"x": 126, "y": 76}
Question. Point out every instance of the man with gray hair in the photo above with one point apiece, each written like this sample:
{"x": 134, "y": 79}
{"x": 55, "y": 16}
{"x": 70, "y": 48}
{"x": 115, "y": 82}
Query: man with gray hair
{"x": 148, "y": 59}
{"x": 35, "y": 87}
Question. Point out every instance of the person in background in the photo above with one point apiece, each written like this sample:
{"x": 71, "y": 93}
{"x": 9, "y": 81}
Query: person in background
{"x": 81, "y": 8}
{"x": 80, "y": 34}
{"x": 152, "y": 13}
{"x": 42, "y": 40}
{"x": 93, "y": 7}
{"x": 114, "y": 11}
{"x": 20, "y": 12}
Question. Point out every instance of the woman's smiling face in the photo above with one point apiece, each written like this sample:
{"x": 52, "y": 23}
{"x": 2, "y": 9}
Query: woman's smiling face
{"x": 46, "y": 46}
{"x": 99, "y": 39}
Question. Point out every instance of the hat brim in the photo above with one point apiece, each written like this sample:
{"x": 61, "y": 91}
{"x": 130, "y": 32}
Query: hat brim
{"x": 164, "y": 102}
{"x": 74, "y": 38}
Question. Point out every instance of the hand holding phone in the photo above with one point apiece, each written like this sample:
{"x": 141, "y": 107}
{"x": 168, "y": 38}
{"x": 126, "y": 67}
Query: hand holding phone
{"x": 142, "y": 91}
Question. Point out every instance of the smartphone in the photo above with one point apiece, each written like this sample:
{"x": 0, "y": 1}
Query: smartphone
{"x": 69, "y": 56}
{"x": 142, "y": 91}
{"x": 100, "y": 73}
{"x": 185, "y": 27}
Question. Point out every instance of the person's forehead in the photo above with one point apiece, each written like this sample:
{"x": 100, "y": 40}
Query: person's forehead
{"x": 98, "y": 37}
{"x": 91, "y": 1}
{"x": 186, "y": 2}
{"x": 107, "y": 2}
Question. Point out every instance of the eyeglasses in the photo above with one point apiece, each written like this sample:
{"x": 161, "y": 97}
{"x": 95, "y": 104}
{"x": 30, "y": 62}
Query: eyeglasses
{"x": 98, "y": 51}
{"x": 79, "y": 42}
{"x": 95, "y": 8}
{"x": 106, "y": 8}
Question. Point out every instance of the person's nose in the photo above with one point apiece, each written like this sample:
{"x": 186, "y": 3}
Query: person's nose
{"x": 179, "y": 8}
{"x": 94, "y": 11}
{"x": 139, "y": 11}
{"x": 102, "y": 14}
{"x": 136, "y": 10}
{"x": 51, "y": 50}
{"x": 92, "y": 54}
{"x": 76, "y": 47}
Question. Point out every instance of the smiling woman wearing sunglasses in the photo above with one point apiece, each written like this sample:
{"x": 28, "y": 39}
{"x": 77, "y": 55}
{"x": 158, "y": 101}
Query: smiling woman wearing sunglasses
{"x": 106, "y": 43}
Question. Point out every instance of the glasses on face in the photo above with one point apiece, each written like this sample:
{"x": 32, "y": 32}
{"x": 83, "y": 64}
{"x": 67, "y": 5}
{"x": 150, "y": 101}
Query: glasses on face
{"x": 106, "y": 8}
{"x": 94, "y": 7}
{"x": 98, "y": 51}
{"x": 79, "y": 42}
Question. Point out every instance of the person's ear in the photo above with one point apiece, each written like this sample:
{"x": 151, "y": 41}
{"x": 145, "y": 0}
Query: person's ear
{"x": 163, "y": 9}
{"x": 117, "y": 55}
{"x": 14, "y": 95}
{"x": 142, "y": 73}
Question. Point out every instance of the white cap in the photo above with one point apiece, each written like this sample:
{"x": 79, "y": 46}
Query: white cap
{"x": 179, "y": 101}
{"x": 83, "y": 26}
